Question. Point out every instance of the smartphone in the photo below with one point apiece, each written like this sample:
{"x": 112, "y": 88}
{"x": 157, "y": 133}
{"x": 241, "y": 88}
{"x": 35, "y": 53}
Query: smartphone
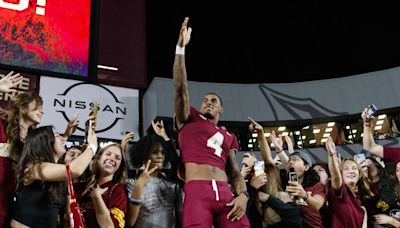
{"x": 359, "y": 158}
{"x": 371, "y": 110}
{"x": 88, "y": 124}
{"x": 293, "y": 177}
{"x": 259, "y": 168}
{"x": 94, "y": 110}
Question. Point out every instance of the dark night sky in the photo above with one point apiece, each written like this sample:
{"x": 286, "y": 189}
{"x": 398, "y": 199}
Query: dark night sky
{"x": 268, "y": 42}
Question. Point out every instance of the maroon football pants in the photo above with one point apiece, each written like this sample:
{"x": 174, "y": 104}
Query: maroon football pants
{"x": 205, "y": 204}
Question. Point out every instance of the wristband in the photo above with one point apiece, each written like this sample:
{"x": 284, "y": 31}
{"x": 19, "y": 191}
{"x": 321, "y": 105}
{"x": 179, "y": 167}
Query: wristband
{"x": 332, "y": 154}
{"x": 135, "y": 201}
{"x": 279, "y": 151}
{"x": 93, "y": 148}
{"x": 180, "y": 50}
{"x": 367, "y": 125}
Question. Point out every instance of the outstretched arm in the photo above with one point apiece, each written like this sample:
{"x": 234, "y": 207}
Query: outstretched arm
{"x": 289, "y": 144}
{"x": 368, "y": 139}
{"x": 180, "y": 78}
{"x": 278, "y": 143}
{"x": 262, "y": 141}
{"x": 239, "y": 203}
{"x": 333, "y": 164}
{"x": 49, "y": 171}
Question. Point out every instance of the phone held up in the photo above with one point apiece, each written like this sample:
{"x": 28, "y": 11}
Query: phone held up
{"x": 92, "y": 121}
{"x": 293, "y": 175}
{"x": 259, "y": 168}
{"x": 294, "y": 178}
{"x": 371, "y": 110}
{"x": 359, "y": 158}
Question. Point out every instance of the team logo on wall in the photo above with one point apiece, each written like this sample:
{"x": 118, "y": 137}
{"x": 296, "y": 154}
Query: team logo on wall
{"x": 297, "y": 108}
{"x": 111, "y": 111}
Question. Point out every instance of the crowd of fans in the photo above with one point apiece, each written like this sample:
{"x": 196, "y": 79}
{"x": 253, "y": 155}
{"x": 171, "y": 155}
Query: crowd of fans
{"x": 202, "y": 186}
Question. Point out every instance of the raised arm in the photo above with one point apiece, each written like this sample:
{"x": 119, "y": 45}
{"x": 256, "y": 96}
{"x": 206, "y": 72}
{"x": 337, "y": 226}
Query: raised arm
{"x": 180, "y": 78}
{"x": 278, "y": 143}
{"x": 48, "y": 171}
{"x": 368, "y": 139}
{"x": 125, "y": 140}
{"x": 262, "y": 141}
{"x": 135, "y": 193}
{"x": 159, "y": 129}
{"x": 72, "y": 125}
{"x": 333, "y": 164}
{"x": 170, "y": 152}
{"x": 289, "y": 144}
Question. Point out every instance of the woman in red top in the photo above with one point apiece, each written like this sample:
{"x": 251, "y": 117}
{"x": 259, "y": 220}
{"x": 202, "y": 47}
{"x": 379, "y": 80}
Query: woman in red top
{"x": 104, "y": 199}
{"x": 349, "y": 189}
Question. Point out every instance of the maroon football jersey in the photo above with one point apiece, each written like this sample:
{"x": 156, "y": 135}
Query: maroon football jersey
{"x": 202, "y": 142}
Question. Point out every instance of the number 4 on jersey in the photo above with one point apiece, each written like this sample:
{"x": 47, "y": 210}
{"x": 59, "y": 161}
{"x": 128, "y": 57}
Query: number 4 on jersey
{"x": 215, "y": 142}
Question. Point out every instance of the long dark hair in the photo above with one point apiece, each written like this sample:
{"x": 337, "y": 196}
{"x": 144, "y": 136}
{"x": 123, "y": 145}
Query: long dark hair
{"x": 20, "y": 101}
{"x": 310, "y": 178}
{"x": 120, "y": 176}
{"x": 39, "y": 148}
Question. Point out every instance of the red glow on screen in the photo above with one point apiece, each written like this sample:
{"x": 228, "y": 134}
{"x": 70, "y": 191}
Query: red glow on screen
{"x": 49, "y": 35}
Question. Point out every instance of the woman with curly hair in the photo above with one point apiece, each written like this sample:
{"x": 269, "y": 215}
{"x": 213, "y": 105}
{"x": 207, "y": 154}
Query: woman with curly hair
{"x": 155, "y": 194}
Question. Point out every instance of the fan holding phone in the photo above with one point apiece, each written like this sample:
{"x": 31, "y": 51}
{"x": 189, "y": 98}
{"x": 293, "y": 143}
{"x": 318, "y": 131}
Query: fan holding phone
{"x": 91, "y": 122}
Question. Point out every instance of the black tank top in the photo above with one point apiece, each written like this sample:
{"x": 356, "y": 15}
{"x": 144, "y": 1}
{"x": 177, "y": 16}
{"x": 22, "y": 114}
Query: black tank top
{"x": 33, "y": 207}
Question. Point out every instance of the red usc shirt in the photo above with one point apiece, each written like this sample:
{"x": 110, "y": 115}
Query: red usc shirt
{"x": 202, "y": 142}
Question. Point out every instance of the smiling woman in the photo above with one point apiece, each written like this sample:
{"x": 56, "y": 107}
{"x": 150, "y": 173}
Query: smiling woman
{"x": 103, "y": 196}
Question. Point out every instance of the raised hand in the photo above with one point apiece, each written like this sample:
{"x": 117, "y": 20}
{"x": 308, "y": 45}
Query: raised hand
{"x": 330, "y": 146}
{"x": 72, "y": 125}
{"x": 144, "y": 177}
{"x": 364, "y": 116}
{"x": 245, "y": 171}
{"x": 9, "y": 82}
{"x": 289, "y": 144}
{"x": 254, "y": 126}
{"x": 184, "y": 35}
{"x": 159, "y": 129}
{"x": 126, "y": 139}
{"x": 278, "y": 143}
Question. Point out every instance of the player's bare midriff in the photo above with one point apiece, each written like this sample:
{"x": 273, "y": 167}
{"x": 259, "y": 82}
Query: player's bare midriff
{"x": 196, "y": 171}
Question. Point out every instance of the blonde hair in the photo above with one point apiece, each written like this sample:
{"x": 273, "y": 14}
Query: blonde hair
{"x": 120, "y": 176}
{"x": 364, "y": 190}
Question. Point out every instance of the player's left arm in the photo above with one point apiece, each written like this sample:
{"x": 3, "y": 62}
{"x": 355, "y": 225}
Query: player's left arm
{"x": 239, "y": 203}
